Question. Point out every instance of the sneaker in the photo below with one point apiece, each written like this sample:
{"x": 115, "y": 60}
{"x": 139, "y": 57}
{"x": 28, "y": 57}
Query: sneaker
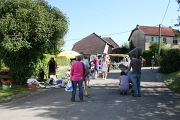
{"x": 125, "y": 93}
{"x": 103, "y": 78}
{"x": 134, "y": 95}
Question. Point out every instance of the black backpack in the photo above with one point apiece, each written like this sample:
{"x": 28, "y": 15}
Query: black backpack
{"x": 41, "y": 74}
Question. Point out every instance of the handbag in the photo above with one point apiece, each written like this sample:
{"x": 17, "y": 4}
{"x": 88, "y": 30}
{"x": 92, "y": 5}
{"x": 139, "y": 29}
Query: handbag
{"x": 69, "y": 86}
{"x": 84, "y": 71}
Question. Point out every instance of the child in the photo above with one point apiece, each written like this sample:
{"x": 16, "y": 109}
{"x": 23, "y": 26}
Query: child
{"x": 68, "y": 74}
{"x": 51, "y": 79}
{"x": 123, "y": 83}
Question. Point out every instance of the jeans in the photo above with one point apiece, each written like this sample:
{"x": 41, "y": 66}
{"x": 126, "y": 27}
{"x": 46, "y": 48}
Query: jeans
{"x": 74, "y": 85}
{"x": 136, "y": 80}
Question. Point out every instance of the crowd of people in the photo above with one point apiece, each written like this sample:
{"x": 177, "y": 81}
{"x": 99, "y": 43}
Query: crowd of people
{"x": 82, "y": 68}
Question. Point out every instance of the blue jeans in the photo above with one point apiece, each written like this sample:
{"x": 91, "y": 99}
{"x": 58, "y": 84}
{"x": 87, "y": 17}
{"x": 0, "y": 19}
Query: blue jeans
{"x": 136, "y": 80}
{"x": 74, "y": 85}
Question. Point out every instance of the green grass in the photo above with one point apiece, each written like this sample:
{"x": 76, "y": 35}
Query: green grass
{"x": 19, "y": 90}
{"x": 16, "y": 90}
{"x": 172, "y": 81}
{"x": 62, "y": 73}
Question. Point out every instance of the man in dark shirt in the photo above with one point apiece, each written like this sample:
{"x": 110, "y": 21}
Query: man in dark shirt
{"x": 135, "y": 77}
{"x": 52, "y": 67}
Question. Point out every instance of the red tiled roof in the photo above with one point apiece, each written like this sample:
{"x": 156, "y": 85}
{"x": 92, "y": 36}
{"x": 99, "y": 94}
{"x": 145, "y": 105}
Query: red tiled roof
{"x": 150, "y": 30}
{"x": 109, "y": 40}
{"x": 91, "y": 44}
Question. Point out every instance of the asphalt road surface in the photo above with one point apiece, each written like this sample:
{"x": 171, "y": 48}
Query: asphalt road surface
{"x": 157, "y": 102}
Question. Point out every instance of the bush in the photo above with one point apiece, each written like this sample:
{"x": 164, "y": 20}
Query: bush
{"x": 170, "y": 61}
{"x": 43, "y": 64}
{"x": 147, "y": 54}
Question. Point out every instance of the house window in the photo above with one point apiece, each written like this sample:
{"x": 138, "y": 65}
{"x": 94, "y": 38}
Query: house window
{"x": 154, "y": 39}
{"x": 175, "y": 41}
{"x": 164, "y": 41}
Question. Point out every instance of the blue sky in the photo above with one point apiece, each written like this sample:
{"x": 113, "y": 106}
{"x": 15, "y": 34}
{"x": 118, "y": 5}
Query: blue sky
{"x": 114, "y": 18}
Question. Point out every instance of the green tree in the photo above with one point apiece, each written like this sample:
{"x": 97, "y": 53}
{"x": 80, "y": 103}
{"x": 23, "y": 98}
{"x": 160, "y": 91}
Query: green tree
{"x": 124, "y": 48}
{"x": 154, "y": 47}
{"x": 154, "y": 51}
{"x": 131, "y": 46}
{"x": 170, "y": 62}
{"x": 177, "y": 32}
{"x": 28, "y": 29}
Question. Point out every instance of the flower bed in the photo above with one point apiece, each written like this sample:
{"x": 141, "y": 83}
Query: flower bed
{"x": 4, "y": 72}
{"x": 6, "y": 82}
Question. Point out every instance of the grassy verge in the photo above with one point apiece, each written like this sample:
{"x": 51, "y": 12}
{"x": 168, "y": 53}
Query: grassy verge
{"x": 20, "y": 90}
{"x": 172, "y": 81}
{"x": 15, "y": 91}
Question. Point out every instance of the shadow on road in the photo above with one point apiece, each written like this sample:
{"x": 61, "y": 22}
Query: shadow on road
{"x": 157, "y": 102}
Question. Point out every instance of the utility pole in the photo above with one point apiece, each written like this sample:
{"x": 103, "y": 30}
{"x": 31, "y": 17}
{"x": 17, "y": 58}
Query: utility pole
{"x": 159, "y": 40}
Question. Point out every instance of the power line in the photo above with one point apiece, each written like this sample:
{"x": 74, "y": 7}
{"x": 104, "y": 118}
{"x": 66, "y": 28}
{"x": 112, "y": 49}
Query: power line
{"x": 107, "y": 34}
{"x": 116, "y": 33}
{"x": 100, "y": 35}
{"x": 165, "y": 12}
{"x": 98, "y": 11}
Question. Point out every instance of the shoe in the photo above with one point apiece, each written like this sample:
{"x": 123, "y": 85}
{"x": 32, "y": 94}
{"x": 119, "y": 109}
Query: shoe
{"x": 139, "y": 96}
{"x": 125, "y": 93}
{"x": 88, "y": 96}
{"x": 134, "y": 95}
{"x": 121, "y": 93}
{"x": 81, "y": 100}
{"x": 103, "y": 78}
{"x": 89, "y": 86}
{"x": 72, "y": 100}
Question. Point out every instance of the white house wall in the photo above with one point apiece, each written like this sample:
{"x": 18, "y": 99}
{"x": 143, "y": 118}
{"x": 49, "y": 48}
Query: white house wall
{"x": 169, "y": 42}
{"x": 138, "y": 39}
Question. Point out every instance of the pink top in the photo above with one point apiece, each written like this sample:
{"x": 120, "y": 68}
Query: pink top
{"x": 77, "y": 71}
{"x": 96, "y": 62}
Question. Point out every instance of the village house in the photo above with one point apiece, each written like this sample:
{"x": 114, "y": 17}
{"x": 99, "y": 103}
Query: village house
{"x": 143, "y": 36}
{"x": 95, "y": 44}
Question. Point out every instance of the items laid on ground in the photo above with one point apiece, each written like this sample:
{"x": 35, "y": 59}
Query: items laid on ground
{"x": 51, "y": 83}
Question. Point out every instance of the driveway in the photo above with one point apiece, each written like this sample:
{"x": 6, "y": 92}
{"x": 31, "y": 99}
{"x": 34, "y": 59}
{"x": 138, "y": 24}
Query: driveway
{"x": 157, "y": 102}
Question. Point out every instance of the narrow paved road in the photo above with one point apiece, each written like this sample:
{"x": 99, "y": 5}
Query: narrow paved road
{"x": 157, "y": 102}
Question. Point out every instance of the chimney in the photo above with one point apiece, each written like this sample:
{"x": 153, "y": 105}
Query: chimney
{"x": 137, "y": 26}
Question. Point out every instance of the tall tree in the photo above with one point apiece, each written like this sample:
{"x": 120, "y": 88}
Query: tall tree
{"x": 154, "y": 47}
{"x": 131, "y": 46}
{"x": 124, "y": 48}
{"x": 28, "y": 29}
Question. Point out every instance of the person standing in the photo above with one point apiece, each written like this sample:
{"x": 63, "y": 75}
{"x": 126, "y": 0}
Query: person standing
{"x": 86, "y": 79}
{"x": 135, "y": 76}
{"x": 153, "y": 60}
{"x": 104, "y": 67}
{"x": 96, "y": 66}
{"x": 52, "y": 64}
{"x": 143, "y": 62}
{"x": 77, "y": 77}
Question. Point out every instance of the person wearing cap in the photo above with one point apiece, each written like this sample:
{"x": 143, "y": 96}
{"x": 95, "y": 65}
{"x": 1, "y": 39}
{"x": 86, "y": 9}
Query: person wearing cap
{"x": 52, "y": 64}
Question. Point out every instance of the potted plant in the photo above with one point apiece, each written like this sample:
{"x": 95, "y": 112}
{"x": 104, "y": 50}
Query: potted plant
{"x": 6, "y": 84}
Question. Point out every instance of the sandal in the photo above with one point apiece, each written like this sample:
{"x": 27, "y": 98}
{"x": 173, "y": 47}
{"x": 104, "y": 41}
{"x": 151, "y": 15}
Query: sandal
{"x": 87, "y": 96}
